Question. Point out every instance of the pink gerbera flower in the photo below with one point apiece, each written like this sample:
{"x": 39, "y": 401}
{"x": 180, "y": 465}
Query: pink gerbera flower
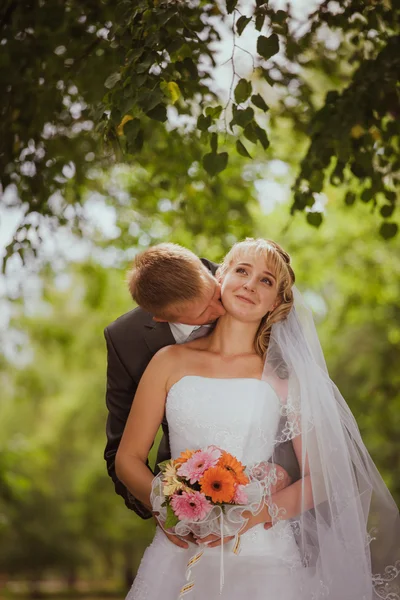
{"x": 240, "y": 496}
{"x": 198, "y": 464}
{"x": 190, "y": 506}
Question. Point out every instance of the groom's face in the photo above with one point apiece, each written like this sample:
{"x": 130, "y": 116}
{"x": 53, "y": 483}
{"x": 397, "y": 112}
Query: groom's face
{"x": 205, "y": 309}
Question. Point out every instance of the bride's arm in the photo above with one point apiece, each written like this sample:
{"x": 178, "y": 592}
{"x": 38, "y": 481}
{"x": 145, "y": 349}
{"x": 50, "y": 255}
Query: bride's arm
{"x": 142, "y": 425}
{"x": 297, "y": 497}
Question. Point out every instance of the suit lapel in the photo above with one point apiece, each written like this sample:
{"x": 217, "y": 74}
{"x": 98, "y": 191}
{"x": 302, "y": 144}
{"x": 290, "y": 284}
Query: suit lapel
{"x": 158, "y": 335}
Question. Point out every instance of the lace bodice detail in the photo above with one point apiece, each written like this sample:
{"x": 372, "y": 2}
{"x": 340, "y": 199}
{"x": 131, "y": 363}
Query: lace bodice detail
{"x": 240, "y": 416}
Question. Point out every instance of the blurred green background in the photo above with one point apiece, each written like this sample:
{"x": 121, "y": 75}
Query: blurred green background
{"x": 63, "y": 530}
{"x": 60, "y": 519}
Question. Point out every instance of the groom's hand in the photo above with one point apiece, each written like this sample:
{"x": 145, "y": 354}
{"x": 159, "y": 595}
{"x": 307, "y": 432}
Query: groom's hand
{"x": 182, "y": 542}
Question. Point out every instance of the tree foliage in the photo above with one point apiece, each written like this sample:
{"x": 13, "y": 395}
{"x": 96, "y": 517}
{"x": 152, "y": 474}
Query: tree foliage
{"x": 59, "y": 514}
{"x": 86, "y": 83}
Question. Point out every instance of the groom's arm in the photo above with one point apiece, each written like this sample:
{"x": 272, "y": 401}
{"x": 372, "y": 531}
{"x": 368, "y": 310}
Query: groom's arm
{"x": 121, "y": 389}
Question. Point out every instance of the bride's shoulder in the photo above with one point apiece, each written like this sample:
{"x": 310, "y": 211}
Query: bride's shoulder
{"x": 169, "y": 358}
{"x": 169, "y": 354}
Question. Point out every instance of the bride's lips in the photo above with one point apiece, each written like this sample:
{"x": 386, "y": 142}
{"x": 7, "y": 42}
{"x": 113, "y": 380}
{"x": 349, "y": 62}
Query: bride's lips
{"x": 245, "y": 299}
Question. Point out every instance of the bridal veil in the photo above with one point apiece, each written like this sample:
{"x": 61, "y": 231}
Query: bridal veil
{"x": 347, "y": 524}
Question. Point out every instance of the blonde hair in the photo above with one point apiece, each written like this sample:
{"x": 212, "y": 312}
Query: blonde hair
{"x": 164, "y": 276}
{"x": 279, "y": 262}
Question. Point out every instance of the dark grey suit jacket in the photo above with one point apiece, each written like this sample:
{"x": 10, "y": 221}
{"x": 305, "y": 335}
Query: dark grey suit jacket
{"x": 132, "y": 340}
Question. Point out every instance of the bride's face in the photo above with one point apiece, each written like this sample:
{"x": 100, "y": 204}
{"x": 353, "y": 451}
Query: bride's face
{"x": 249, "y": 288}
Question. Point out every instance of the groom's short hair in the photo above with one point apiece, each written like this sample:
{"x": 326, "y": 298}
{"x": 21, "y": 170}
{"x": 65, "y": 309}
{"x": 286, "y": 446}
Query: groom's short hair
{"x": 165, "y": 276}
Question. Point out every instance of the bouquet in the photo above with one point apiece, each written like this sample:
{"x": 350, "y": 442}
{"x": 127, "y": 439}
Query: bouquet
{"x": 205, "y": 492}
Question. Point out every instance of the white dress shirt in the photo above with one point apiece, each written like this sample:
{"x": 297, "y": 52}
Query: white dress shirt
{"x": 181, "y": 332}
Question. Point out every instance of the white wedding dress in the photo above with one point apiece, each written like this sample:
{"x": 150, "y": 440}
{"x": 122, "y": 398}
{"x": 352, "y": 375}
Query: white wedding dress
{"x": 240, "y": 416}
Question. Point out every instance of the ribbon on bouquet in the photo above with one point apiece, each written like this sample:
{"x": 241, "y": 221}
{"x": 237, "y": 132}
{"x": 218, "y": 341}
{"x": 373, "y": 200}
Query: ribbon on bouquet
{"x": 188, "y": 587}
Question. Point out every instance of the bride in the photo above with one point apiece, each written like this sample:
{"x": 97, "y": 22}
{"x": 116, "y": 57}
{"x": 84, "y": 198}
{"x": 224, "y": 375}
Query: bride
{"x": 255, "y": 383}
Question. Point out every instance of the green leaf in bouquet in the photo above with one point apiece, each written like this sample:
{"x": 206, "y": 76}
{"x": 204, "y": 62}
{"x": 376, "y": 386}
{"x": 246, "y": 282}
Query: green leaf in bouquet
{"x": 163, "y": 464}
{"x": 171, "y": 519}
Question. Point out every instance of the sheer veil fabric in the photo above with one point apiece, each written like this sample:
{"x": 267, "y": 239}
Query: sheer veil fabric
{"x": 347, "y": 527}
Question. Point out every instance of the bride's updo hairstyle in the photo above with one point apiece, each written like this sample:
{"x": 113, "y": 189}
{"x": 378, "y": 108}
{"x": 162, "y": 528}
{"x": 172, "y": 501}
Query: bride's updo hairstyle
{"x": 279, "y": 262}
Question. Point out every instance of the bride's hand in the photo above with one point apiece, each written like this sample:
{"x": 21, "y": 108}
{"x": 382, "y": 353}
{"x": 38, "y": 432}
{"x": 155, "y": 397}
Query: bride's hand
{"x": 212, "y": 541}
{"x": 182, "y": 542}
{"x": 252, "y": 520}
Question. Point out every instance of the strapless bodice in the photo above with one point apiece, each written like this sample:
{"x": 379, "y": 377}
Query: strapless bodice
{"x": 240, "y": 416}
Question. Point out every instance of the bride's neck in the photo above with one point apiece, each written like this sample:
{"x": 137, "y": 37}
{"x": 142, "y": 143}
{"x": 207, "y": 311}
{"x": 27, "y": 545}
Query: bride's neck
{"x": 231, "y": 337}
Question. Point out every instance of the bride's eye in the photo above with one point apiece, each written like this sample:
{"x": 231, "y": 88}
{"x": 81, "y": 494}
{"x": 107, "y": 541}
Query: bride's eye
{"x": 241, "y": 270}
{"x": 267, "y": 280}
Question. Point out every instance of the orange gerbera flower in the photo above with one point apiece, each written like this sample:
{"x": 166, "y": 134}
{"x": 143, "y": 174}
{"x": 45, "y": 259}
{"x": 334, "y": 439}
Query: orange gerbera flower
{"x": 184, "y": 456}
{"x": 218, "y": 484}
{"x": 233, "y": 466}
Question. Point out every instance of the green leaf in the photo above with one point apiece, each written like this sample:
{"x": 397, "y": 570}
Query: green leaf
{"x": 214, "y": 111}
{"x": 367, "y": 195}
{"x": 215, "y": 163}
{"x": 280, "y": 16}
{"x": 260, "y": 18}
{"x": 314, "y": 218}
{"x": 242, "y": 91}
{"x": 149, "y": 99}
{"x": 389, "y": 194}
{"x": 242, "y": 150}
{"x": 387, "y": 210}
{"x": 159, "y": 113}
{"x": 203, "y": 123}
{"x": 230, "y": 6}
{"x": 188, "y": 67}
{"x": 268, "y": 46}
{"x": 262, "y": 136}
{"x": 358, "y": 170}
{"x": 350, "y": 198}
{"x": 259, "y": 102}
{"x": 317, "y": 181}
{"x": 242, "y": 23}
{"x": 112, "y": 80}
{"x": 136, "y": 144}
{"x": 171, "y": 90}
{"x": 250, "y": 132}
{"x": 267, "y": 77}
{"x": 242, "y": 117}
{"x": 388, "y": 230}
{"x": 171, "y": 519}
{"x": 163, "y": 464}
{"x": 131, "y": 129}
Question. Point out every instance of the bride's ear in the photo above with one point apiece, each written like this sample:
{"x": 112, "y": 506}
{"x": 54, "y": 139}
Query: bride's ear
{"x": 275, "y": 305}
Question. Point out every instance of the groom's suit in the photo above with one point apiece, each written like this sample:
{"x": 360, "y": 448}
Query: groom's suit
{"x": 132, "y": 340}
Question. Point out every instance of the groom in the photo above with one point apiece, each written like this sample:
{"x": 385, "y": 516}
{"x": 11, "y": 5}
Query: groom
{"x": 179, "y": 298}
